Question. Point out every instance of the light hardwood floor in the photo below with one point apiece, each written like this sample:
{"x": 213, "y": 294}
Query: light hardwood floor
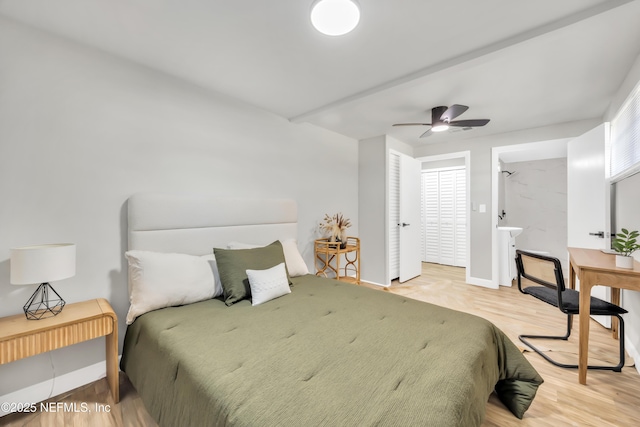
{"x": 609, "y": 398}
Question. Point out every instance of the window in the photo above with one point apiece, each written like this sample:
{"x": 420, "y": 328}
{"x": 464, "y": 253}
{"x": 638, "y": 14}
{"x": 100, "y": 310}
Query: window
{"x": 625, "y": 138}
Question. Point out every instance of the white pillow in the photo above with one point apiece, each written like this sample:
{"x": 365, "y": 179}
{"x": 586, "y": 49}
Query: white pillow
{"x": 268, "y": 284}
{"x": 240, "y": 245}
{"x": 211, "y": 258}
{"x": 295, "y": 263}
{"x": 158, "y": 280}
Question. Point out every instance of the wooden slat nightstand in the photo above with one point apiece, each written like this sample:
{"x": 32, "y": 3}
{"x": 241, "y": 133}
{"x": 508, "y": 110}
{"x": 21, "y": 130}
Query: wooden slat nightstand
{"x": 78, "y": 322}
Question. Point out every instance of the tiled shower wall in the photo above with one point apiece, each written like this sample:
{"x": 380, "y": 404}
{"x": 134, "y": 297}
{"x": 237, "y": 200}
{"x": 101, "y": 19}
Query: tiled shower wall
{"x": 535, "y": 198}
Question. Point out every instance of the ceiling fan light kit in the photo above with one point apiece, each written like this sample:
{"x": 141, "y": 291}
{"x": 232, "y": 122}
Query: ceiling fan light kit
{"x": 335, "y": 17}
{"x": 439, "y": 128}
{"x": 442, "y": 119}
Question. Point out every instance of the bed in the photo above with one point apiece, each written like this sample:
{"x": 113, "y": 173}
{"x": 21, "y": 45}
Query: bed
{"x": 327, "y": 353}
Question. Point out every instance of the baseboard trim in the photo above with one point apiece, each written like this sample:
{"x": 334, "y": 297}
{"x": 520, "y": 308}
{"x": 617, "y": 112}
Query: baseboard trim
{"x": 61, "y": 384}
{"x": 485, "y": 283}
{"x": 632, "y": 351}
{"x": 373, "y": 283}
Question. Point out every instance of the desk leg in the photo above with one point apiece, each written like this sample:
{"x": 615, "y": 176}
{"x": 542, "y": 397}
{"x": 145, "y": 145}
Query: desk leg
{"x": 572, "y": 277}
{"x": 615, "y": 299}
{"x": 585, "y": 309}
{"x": 572, "y": 285}
{"x": 112, "y": 362}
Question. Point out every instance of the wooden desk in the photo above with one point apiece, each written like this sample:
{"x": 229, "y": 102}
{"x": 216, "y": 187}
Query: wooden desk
{"x": 78, "y": 322}
{"x": 593, "y": 267}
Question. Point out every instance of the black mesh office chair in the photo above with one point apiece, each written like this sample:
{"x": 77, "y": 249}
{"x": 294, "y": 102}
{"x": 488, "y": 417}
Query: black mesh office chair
{"x": 547, "y": 271}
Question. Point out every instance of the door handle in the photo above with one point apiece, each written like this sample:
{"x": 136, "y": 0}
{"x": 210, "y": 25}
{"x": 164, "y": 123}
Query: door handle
{"x": 404, "y": 224}
{"x": 599, "y": 234}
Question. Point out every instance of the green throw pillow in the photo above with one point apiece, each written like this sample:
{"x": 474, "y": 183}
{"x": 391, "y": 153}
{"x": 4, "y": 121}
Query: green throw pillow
{"x": 234, "y": 263}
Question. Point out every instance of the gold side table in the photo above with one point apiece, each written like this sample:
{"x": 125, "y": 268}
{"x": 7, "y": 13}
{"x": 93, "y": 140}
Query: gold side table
{"x": 329, "y": 255}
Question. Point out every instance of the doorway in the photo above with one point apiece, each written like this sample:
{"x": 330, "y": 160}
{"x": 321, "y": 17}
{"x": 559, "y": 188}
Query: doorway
{"x": 404, "y": 217}
{"x": 444, "y": 215}
{"x": 529, "y": 191}
{"x": 460, "y": 160}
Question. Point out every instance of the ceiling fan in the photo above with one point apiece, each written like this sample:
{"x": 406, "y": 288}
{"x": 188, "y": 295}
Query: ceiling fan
{"x": 442, "y": 119}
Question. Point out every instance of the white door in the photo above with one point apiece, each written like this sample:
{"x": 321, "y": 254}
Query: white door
{"x": 409, "y": 224}
{"x": 431, "y": 219}
{"x": 394, "y": 217}
{"x": 447, "y": 217}
{"x": 588, "y": 198}
{"x": 444, "y": 232}
{"x": 461, "y": 218}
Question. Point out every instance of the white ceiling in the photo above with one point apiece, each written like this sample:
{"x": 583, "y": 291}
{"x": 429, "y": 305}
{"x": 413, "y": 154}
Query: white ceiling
{"x": 552, "y": 149}
{"x": 520, "y": 63}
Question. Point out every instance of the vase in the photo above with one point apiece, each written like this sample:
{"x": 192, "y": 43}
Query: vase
{"x": 343, "y": 245}
{"x": 623, "y": 261}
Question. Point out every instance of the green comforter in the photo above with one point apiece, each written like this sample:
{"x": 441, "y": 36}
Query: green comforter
{"x": 329, "y": 354}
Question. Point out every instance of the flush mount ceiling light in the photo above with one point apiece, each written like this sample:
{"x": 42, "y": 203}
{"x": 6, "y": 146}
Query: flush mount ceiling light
{"x": 335, "y": 17}
{"x": 439, "y": 127}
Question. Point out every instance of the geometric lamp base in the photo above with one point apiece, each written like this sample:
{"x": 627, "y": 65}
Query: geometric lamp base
{"x": 40, "y": 306}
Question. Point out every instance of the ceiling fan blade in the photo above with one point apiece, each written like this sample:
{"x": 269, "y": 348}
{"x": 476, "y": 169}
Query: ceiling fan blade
{"x": 426, "y": 134}
{"x": 469, "y": 123}
{"x": 412, "y": 124}
{"x": 452, "y": 112}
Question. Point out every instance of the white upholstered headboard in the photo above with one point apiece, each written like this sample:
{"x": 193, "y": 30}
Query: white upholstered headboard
{"x": 196, "y": 223}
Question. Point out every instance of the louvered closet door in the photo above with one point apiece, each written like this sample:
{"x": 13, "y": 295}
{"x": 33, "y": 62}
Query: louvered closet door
{"x": 445, "y": 217}
{"x": 394, "y": 216}
{"x": 460, "y": 258}
{"x": 423, "y": 214}
{"x": 431, "y": 221}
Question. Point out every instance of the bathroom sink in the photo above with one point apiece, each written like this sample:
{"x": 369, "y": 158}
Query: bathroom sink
{"x": 514, "y": 231}
{"x": 507, "y": 254}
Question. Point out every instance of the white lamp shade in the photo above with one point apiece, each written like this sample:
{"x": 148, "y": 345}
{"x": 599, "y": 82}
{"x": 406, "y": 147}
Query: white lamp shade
{"x": 42, "y": 263}
{"x": 335, "y": 17}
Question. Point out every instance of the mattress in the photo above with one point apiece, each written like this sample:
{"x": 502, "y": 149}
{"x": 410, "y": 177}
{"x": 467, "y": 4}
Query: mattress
{"x": 329, "y": 354}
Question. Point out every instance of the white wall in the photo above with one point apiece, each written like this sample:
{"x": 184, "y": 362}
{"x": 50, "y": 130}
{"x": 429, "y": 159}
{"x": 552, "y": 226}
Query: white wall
{"x": 80, "y": 131}
{"x": 480, "y": 174}
{"x": 448, "y": 163}
{"x": 372, "y": 201}
{"x": 373, "y": 205}
{"x": 628, "y": 216}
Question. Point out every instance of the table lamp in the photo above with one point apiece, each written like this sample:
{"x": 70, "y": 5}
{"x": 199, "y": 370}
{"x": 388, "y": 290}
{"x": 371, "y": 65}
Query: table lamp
{"x": 43, "y": 264}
